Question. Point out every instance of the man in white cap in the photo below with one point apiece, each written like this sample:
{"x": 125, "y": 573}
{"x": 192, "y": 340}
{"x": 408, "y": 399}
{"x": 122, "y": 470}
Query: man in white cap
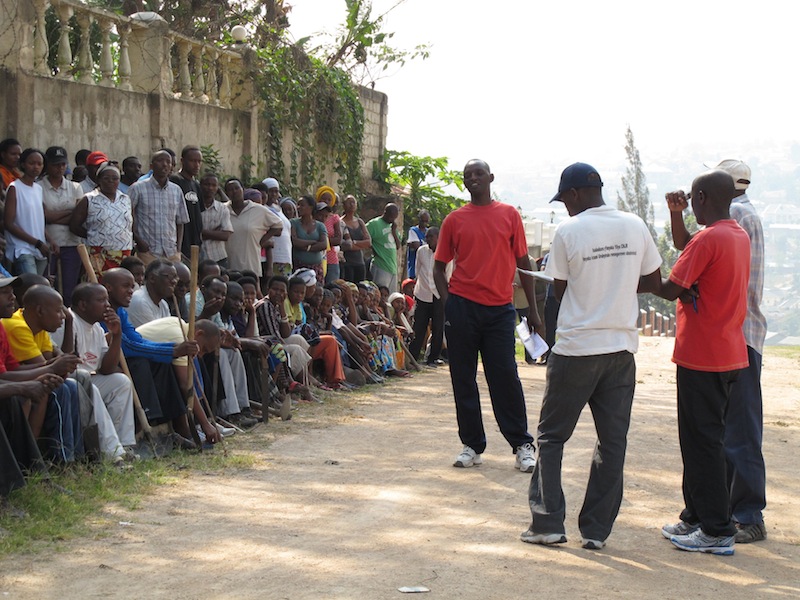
{"x": 282, "y": 248}
{"x": 744, "y": 424}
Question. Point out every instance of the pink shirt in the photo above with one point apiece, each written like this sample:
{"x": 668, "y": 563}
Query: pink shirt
{"x": 332, "y": 225}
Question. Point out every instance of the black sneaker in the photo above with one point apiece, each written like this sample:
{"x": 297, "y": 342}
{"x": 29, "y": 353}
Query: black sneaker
{"x": 750, "y": 532}
{"x": 241, "y": 421}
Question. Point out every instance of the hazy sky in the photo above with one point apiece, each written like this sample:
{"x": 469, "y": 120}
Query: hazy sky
{"x": 532, "y": 86}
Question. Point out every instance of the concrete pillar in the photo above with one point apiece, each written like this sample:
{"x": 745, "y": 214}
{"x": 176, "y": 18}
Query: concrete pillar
{"x": 17, "y": 21}
{"x": 151, "y": 70}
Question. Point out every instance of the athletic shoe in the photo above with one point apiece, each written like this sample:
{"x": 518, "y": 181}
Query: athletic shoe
{"x": 592, "y": 544}
{"x": 525, "y": 459}
{"x": 750, "y": 532}
{"x": 468, "y": 458}
{"x": 241, "y": 421}
{"x": 699, "y": 541}
{"x": 680, "y": 528}
{"x": 545, "y": 539}
{"x": 223, "y": 431}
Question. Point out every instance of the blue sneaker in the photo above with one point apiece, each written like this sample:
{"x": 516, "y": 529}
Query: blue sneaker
{"x": 699, "y": 541}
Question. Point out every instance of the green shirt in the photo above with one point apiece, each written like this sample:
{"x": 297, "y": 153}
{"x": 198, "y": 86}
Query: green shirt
{"x": 383, "y": 244}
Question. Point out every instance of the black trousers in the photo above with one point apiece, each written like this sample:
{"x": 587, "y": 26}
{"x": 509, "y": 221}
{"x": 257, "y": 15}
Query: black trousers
{"x": 433, "y": 313}
{"x": 158, "y": 390}
{"x": 18, "y": 450}
{"x": 702, "y": 407}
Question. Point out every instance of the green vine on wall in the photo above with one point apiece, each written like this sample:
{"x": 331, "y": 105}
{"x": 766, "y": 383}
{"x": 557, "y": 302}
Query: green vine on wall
{"x": 319, "y": 107}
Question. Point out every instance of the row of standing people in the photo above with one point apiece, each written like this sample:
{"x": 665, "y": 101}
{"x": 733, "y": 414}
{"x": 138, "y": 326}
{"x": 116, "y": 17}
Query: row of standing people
{"x": 118, "y": 210}
{"x": 600, "y": 258}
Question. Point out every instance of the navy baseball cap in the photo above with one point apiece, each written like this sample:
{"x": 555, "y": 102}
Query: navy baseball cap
{"x": 578, "y": 175}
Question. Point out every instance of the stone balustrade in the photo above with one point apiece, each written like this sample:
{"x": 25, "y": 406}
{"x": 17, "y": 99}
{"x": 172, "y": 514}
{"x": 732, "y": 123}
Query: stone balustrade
{"x": 137, "y": 53}
{"x": 79, "y": 76}
{"x": 652, "y": 323}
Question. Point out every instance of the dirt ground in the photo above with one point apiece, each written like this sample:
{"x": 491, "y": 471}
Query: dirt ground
{"x": 366, "y": 501}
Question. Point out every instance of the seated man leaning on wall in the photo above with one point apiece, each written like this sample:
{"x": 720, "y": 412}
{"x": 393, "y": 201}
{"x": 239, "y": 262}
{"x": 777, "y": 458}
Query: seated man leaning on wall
{"x": 106, "y": 404}
{"x": 207, "y": 337}
{"x": 149, "y": 302}
{"x": 256, "y": 352}
{"x": 150, "y": 363}
{"x": 100, "y": 356}
{"x": 58, "y": 425}
{"x": 235, "y": 408}
{"x": 21, "y": 391}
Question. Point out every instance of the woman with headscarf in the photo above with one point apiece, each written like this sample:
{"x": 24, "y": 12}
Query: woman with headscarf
{"x": 104, "y": 217}
{"x": 253, "y": 226}
{"x": 289, "y": 208}
{"x": 24, "y": 217}
{"x": 326, "y": 195}
{"x": 309, "y": 238}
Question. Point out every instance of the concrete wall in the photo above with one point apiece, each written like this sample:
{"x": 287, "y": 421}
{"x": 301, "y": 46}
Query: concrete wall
{"x": 376, "y": 109}
{"x": 158, "y": 106}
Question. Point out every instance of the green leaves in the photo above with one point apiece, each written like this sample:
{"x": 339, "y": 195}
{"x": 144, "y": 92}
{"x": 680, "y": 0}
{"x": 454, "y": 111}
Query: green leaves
{"x": 426, "y": 180}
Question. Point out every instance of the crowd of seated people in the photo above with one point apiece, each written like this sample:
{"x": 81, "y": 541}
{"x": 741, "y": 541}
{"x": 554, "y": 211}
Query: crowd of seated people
{"x": 284, "y": 307}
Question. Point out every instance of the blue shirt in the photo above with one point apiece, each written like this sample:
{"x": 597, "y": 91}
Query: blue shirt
{"x": 134, "y": 345}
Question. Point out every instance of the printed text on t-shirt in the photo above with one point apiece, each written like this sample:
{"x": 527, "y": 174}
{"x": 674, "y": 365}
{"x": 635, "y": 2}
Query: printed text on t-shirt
{"x": 610, "y": 252}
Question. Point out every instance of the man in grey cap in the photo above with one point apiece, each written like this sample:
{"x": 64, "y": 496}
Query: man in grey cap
{"x": 744, "y": 425}
{"x": 597, "y": 258}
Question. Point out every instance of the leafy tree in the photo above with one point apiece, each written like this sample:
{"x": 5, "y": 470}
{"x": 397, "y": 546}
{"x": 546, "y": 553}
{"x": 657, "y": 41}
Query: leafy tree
{"x": 636, "y": 196}
{"x": 211, "y": 19}
{"x": 361, "y": 46}
{"x": 425, "y": 180}
{"x": 669, "y": 254}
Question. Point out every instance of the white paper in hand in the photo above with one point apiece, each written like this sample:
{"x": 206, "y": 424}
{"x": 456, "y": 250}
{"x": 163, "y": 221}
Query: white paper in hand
{"x": 534, "y": 344}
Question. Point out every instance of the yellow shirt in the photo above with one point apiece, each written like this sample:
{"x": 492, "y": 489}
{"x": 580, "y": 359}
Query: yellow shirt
{"x": 25, "y": 345}
{"x": 293, "y": 313}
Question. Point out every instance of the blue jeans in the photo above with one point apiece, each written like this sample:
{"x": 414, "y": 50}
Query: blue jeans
{"x": 61, "y": 431}
{"x": 606, "y": 383}
{"x": 70, "y": 271}
{"x": 28, "y": 263}
{"x": 744, "y": 426}
{"x": 332, "y": 274}
{"x": 473, "y": 328}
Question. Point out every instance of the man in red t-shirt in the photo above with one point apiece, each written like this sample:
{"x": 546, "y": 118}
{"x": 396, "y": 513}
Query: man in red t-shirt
{"x": 487, "y": 241}
{"x": 710, "y": 351}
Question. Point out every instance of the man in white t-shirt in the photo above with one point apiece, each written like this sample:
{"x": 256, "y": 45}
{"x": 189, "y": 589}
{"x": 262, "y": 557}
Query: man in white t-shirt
{"x": 597, "y": 258}
{"x": 90, "y": 306}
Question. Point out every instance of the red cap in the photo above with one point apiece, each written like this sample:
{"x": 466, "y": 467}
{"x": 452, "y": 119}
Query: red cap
{"x": 95, "y": 158}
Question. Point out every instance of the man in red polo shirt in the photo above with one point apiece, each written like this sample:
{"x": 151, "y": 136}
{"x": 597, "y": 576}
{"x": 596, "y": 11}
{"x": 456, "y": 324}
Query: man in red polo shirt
{"x": 710, "y": 351}
{"x": 487, "y": 241}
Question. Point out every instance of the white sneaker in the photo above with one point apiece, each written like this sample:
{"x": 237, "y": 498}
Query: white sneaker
{"x": 679, "y": 528}
{"x": 225, "y": 431}
{"x": 545, "y": 539}
{"x": 468, "y": 458}
{"x": 525, "y": 458}
{"x": 592, "y": 544}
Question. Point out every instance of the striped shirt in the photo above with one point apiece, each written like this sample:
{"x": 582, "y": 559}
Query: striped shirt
{"x": 755, "y": 323}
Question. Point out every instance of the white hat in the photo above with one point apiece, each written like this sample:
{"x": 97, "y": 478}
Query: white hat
{"x": 738, "y": 170}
